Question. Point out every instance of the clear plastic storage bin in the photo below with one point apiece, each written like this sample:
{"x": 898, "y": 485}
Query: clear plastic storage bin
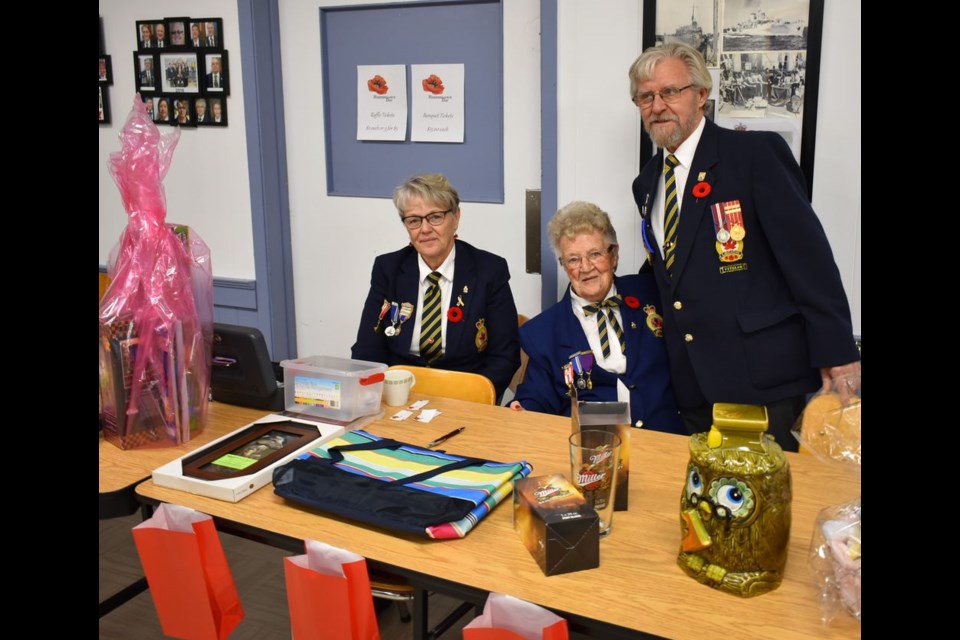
{"x": 333, "y": 388}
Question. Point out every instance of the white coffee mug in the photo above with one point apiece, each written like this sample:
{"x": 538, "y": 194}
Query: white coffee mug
{"x": 396, "y": 386}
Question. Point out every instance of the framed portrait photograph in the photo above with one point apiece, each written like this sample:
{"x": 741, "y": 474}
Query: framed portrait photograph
{"x": 106, "y": 70}
{"x": 211, "y": 32}
{"x": 764, "y": 60}
{"x": 148, "y": 105}
{"x": 145, "y": 39}
{"x": 216, "y": 78}
{"x": 180, "y": 73}
{"x": 177, "y": 32}
{"x": 182, "y": 111}
{"x": 216, "y": 112}
{"x": 104, "y": 106}
{"x": 162, "y": 110}
{"x": 254, "y": 448}
{"x": 145, "y": 72}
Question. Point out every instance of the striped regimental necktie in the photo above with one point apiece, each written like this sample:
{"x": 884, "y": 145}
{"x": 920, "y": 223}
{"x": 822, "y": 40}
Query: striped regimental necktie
{"x": 671, "y": 212}
{"x": 431, "y": 339}
{"x": 608, "y": 306}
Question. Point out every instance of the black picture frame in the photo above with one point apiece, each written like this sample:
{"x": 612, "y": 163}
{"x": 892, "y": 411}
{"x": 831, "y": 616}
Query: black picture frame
{"x": 178, "y": 32}
{"x": 212, "y": 102}
{"x": 158, "y": 110}
{"x": 255, "y": 448}
{"x": 146, "y": 81}
{"x": 106, "y": 70}
{"x": 747, "y": 45}
{"x": 144, "y": 35}
{"x": 104, "y": 104}
{"x": 182, "y": 110}
{"x": 180, "y": 72}
{"x": 208, "y": 60}
{"x": 216, "y": 24}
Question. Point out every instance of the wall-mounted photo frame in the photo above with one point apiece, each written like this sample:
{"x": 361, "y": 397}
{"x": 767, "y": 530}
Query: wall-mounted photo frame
{"x": 104, "y": 105}
{"x": 180, "y": 74}
{"x": 182, "y": 111}
{"x": 148, "y": 105}
{"x": 216, "y": 112}
{"x": 145, "y": 40}
{"x": 177, "y": 32}
{"x": 162, "y": 110}
{"x": 211, "y": 33}
{"x": 145, "y": 72}
{"x": 216, "y": 74}
{"x": 765, "y": 63}
{"x": 106, "y": 70}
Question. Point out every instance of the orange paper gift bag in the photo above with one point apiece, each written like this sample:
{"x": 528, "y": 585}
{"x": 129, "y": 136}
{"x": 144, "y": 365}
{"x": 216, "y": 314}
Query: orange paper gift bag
{"x": 508, "y": 618}
{"x": 328, "y": 591}
{"x": 190, "y": 581}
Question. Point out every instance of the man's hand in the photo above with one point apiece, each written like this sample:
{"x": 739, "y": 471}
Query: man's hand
{"x": 845, "y": 380}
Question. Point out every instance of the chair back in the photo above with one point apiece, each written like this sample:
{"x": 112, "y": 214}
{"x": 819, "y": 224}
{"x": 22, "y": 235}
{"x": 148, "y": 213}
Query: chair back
{"x": 460, "y": 385}
{"x": 524, "y": 360}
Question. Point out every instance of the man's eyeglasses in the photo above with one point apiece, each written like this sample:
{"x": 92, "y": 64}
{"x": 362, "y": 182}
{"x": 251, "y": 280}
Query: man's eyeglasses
{"x": 667, "y": 94}
{"x": 594, "y": 257}
{"x": 435, "y": 218}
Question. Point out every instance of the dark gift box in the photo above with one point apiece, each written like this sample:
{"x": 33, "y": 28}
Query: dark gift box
{"x": 556, "y": 525}
{"x": 615, "y": 418}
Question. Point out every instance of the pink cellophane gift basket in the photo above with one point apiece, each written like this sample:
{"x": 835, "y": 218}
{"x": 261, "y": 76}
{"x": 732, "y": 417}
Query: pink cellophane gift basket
{"x": 156, "y": 318}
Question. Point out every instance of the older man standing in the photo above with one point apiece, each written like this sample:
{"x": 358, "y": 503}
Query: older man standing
{"x": 754, "y": 309}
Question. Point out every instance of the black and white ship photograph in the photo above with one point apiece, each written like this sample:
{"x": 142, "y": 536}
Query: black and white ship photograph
{"x": 692, "y": 22}
{"x": 765, "y": 25}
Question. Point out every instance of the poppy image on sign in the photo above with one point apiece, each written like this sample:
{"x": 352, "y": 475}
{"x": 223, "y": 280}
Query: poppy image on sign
{"x": 378, "y": 85}
{"x": 433, "y": 84}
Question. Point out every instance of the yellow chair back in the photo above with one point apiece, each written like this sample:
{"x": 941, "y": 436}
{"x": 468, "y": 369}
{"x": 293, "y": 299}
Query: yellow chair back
{"x": 460, "y": 385}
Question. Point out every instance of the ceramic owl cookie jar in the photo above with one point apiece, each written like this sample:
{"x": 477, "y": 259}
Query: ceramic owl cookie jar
{"x": 735, "y": 504}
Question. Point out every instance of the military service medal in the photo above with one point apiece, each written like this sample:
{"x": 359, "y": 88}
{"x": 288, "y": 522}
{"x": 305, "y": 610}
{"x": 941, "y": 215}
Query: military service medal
{"x": 383, "y": 313}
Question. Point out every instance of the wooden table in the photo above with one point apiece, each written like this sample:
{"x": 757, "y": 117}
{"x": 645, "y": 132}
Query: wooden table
{"x": 638, "y": 586}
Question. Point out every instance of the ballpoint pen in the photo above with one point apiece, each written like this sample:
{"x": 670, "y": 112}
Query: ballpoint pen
{"x": 445, "y": 437}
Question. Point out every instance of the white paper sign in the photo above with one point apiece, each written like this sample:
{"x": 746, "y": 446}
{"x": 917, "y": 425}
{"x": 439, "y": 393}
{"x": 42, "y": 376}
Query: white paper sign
{"x": 437, "y": 103}
{"x": 381, "y": 102}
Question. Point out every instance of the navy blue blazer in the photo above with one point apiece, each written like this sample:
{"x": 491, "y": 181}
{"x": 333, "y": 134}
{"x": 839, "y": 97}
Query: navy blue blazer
{"x": 758, "y": 329}
{"x": 554, "y": 336}
{"x": 481, "y": 279}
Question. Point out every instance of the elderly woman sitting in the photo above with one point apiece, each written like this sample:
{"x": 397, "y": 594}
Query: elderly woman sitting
{"x": 604, "y": 337}
{"x": 439, "y": 302}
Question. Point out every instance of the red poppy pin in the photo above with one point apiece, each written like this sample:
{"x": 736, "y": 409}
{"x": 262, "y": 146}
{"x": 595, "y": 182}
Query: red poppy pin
{"x": 454, "y": 314}
{"x": 631, "y": 302}
{"x": 701, "y": 189}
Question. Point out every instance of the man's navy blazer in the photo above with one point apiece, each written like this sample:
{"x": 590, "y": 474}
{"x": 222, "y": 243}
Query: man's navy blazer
{"x": 758, "y": 329}
{"x": 481, "y": 280}
{"x": 552, "y": 338}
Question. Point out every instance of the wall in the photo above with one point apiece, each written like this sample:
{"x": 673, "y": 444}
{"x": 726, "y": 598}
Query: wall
{"x": 599, "y": 128}
{"x": 335, "y": 239}
{"x": 207, "y": 186}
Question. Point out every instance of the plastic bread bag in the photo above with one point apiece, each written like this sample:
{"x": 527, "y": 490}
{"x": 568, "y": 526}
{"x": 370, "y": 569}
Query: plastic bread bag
{"x": 156, "y": 318}
{"x": 830, "y": 425}
{"x": 835, "y": 559}
{"x": 830, "y": 429}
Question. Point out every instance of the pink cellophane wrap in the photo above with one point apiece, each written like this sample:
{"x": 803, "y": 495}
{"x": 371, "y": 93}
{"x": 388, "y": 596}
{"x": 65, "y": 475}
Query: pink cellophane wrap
{"x": 156, "y": 318}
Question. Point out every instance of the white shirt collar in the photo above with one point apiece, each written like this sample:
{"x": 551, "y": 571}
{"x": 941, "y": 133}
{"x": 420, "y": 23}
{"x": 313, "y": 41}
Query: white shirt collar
{"x": 578, "y": 302}
{"x": 445, "y": 269}
{"x": 688, "y": 148}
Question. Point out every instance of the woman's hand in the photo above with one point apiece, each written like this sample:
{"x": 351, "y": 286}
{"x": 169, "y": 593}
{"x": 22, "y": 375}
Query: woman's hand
{"x": 516, "y": 406}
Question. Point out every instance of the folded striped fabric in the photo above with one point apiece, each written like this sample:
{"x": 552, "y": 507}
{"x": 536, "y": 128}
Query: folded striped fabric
{"x": 397, "y": 485}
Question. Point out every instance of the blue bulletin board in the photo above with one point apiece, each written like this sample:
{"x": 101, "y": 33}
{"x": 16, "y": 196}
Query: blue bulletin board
{"x": 469, "y": 32}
